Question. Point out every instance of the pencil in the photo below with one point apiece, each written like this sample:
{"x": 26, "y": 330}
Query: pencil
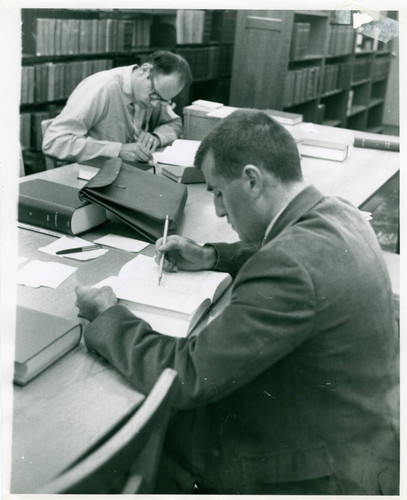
{"x": 160, "y": 275}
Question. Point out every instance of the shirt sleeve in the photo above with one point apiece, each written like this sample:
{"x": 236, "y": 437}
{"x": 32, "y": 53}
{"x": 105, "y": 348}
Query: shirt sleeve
{"x": 66, "y": 138}
{"x": 166, "y": 125}
{"x": 270, "y": 314}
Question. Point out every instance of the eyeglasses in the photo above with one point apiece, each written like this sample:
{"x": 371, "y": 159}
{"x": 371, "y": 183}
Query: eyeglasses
{"x": 155, "y": 96}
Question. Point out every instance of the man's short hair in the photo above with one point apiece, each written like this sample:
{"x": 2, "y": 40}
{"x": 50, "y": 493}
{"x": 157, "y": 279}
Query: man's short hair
{"x": 251, "y": 137}
{"x": 167, "y": 63}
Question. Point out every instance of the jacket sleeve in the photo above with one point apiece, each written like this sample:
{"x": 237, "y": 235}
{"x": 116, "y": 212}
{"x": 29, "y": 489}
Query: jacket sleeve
{"x": 271, "y": 313}
{"x": 66, "y": 138}
{"x": 165, "y": 124}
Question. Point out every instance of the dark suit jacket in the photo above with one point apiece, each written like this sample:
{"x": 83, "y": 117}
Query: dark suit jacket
{"x": 293, "y": 382}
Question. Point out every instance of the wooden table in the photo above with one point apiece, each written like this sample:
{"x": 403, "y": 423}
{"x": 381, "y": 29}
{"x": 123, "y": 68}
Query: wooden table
{"x": 74, "y": 403}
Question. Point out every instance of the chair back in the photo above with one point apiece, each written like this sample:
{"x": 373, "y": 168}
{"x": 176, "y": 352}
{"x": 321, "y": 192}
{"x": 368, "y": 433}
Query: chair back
{"x": 127, "y": 462}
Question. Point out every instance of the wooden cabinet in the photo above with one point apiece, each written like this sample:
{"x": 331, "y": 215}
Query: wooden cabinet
{"x": 310, "y": 62}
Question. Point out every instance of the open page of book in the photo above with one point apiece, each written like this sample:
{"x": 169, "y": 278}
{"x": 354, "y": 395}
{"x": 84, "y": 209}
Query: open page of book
{"x": 204, "y": 284}
{"x": 181, "y": 152}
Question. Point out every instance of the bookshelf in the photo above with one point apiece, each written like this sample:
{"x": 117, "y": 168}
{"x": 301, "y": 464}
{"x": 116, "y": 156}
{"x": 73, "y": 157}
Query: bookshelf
{"x": 319, "y": 67}
{"x": 61, "y": 47}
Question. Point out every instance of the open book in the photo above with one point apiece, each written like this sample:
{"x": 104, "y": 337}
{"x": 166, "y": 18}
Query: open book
{"x": 174, "y": 307}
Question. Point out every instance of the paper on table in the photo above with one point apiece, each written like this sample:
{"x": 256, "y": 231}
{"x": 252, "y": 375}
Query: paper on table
{"x": 122, "y": 242}
{"x": 37, "y": 273}
{"x": 67, "y": 242}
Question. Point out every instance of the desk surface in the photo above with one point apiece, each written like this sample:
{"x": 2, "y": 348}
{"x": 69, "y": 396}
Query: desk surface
{"x": 75, "y": 402}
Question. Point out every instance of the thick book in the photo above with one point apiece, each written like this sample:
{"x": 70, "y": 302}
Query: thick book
{"x": 186, "y": 175}
{"x": 41, "y": 339}
{"x": 384, "y": 144}
{"x": 57, "y": 207}
{"x": 138, "y": 198}
{"x": 327, "y": 150}
{"x": 175, "y": 306}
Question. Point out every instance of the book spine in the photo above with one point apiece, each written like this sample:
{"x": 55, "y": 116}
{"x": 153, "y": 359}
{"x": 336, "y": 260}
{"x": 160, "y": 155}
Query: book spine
{"x": 376, "y": 144}
{"x": 45, "y": 214}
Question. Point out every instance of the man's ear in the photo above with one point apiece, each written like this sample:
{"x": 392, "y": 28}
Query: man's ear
{"x": 253, "y": 177}
{"x": 146, "y": 68}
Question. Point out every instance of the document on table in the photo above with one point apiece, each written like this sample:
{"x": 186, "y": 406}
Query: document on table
{"x": 122, "y": 242}
{"x": 67, "y": 242}
{"x": 37, "y": 273}
{"x": 181, "y": 152}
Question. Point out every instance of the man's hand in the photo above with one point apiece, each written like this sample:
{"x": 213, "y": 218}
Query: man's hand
{"x": 92, "y": 302}
{"x": 183, "y": 253}
{"x": 135, "y": 151}
{"x": 150, "y": 141}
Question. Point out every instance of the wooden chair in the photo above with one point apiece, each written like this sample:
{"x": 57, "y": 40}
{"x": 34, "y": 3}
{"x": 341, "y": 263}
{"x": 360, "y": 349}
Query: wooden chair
{"x": 127, "y": 462}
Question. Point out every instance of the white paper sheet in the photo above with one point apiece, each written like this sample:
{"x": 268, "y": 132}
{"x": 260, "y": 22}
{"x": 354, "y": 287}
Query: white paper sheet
{"x": 67, "y": 242}
{"x": 37, "y": 273}
{"x": 122, "y": 242}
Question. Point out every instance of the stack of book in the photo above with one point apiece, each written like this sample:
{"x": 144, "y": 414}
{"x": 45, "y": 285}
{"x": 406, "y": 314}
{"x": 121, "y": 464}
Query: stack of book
{"x": 340, "y": 39}
{"x": 92, "y": 36}
{"x": 301, "y": 85}
{"x": 299, "y": 40}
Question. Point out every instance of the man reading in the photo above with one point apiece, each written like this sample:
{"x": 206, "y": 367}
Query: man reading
{"x": 289, "y": 390}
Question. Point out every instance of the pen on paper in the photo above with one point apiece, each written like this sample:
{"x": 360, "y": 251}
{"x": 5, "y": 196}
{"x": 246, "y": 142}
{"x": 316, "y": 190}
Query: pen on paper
{"x": 77, "y": 249}
{"x": 160, "y": 274}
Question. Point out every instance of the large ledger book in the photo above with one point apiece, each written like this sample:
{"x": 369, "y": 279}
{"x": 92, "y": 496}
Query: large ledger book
{"x": 57, "y": 207}
{"x": 174, "y": 307}
{"x": 137, "y": 198}
{"x": 326, "y": 150}
{"x": 41, "y": 339}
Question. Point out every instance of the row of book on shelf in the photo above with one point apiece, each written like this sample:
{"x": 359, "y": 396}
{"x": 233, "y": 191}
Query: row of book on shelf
{"x": 208, "y": 62}
{"x": 299, "y": 40}
{"x": 203, "y": 26}
{"x": 301, "y": 85}
{"x": 30, "y": 127}
{"x": 335, "y": 77}
{"x": 52, "y": 81}
{"x": 81, "y": 36}
{"x": 340, "y": 39}
{"x": 361, "y": 70}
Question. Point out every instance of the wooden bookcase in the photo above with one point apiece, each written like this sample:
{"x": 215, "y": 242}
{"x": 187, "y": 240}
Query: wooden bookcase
{"x": 310, "y": 62}
{"x": 63, "y": 46}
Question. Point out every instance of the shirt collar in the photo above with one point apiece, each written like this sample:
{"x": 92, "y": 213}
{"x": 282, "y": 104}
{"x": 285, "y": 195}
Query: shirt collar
{"x": 274, "y": 219}
{"x": 127, "y": 90}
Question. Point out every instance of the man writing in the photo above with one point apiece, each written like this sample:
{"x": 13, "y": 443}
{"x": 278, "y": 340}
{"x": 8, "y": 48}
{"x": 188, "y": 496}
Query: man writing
{"x": 123, "y": 112}
{"x": 287, "y": 391}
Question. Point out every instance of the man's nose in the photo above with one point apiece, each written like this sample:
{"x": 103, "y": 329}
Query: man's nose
{"x": 220, "y": 208}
